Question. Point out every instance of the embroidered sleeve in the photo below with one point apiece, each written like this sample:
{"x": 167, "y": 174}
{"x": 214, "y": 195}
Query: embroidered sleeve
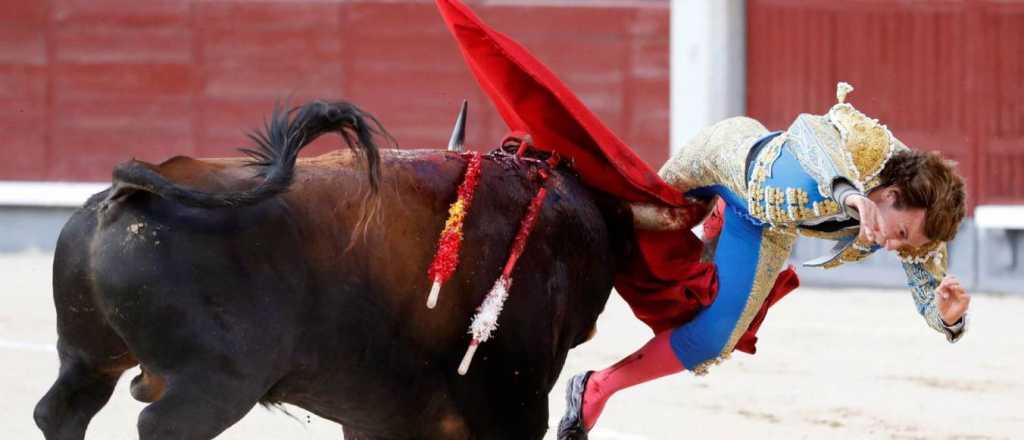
{"x": 843, "y": 189}
{"x": 923, "y": 277}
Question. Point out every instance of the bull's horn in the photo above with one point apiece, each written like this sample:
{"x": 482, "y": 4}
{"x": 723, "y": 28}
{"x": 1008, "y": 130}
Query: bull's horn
{"x": 457, "y": 142}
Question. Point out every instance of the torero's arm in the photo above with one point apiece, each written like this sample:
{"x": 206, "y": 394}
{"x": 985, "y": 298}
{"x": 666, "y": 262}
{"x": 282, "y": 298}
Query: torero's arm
{"x": 940, "y": 298}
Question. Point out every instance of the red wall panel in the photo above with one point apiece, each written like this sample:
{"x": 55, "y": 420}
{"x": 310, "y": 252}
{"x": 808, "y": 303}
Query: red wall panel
{"x": 120, "y": 85}
{"x": 86, "y": 84}
{"x": 24, "y": 89}
{"x": 943, "y": 75}
{"x": 998, "y": 108}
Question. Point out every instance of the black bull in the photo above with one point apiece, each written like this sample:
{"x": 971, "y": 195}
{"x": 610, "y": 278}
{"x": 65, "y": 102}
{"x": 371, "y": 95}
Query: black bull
{"x": 272, "y": 280}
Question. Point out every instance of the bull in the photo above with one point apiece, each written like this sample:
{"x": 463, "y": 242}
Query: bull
{"x": 271, "y": 279}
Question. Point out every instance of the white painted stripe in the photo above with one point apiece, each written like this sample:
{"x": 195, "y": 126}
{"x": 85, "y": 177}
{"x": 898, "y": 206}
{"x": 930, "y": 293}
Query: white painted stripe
{"x": 27, "y": 346}
{"x": 999, "y": 216}
{"x": 48, "y": 194}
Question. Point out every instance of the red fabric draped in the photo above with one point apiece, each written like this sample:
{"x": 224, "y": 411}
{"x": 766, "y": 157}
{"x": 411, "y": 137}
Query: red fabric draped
{"x": 666, "y": 284}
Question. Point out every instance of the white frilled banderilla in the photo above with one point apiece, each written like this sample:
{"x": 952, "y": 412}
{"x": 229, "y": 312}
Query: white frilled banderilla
{"x": 485, "y": 322}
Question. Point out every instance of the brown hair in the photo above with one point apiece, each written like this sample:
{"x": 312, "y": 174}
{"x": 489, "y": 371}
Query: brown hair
{"x": 928, "y": 181}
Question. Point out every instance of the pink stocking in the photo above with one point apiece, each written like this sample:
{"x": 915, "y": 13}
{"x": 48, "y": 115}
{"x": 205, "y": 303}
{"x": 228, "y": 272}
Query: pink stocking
{"x": 655, "y": 359}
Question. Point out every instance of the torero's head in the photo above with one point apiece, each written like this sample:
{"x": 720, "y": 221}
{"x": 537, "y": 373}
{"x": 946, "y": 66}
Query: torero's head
{"x": 922, "y": 199}
{"x": 919, "y": 195}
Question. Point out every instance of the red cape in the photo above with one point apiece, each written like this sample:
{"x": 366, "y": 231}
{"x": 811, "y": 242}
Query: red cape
{"x": 666, "y": 284}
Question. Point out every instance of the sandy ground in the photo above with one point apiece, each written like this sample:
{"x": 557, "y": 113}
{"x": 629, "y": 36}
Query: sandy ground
{"x": 831, "y": 364}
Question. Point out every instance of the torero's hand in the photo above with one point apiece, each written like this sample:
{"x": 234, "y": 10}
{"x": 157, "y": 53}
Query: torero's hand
{"x": 871, "y": 222}
{"x": 952, "y": 300}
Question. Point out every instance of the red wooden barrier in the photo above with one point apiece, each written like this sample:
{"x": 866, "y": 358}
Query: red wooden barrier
{"x": 85, "y": 84}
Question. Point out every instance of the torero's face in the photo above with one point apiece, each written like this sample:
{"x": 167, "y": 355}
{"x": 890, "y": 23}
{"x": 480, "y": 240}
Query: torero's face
{"x": 904, "y": 227}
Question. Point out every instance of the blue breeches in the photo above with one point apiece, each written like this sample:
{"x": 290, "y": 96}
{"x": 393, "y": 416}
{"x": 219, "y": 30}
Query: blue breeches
{"x": 748, "y": 258}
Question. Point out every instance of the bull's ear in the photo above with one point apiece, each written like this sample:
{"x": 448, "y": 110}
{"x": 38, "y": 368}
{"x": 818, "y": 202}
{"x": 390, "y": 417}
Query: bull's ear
{"x": 458, "y": 141}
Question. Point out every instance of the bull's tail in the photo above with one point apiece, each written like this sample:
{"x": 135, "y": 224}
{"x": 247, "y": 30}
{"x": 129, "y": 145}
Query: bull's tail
{"x": 277, "y": 148}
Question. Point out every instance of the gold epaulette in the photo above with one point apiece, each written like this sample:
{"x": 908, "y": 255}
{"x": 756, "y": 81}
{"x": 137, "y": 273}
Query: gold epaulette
{"x": 869, "y": 142}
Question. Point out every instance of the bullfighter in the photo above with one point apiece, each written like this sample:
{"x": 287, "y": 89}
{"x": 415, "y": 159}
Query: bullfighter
{"x": 841, "y": 176}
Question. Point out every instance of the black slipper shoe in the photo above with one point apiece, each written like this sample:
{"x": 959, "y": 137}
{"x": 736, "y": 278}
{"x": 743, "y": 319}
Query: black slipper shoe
{"x": 571, "y": 425}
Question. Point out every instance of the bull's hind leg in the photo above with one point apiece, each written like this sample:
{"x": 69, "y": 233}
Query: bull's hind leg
{"x": 81, "y": 389}
{"x": 92, "y": 355}
{"x": 197, "y": 406}
{"x": 211, "y": 374}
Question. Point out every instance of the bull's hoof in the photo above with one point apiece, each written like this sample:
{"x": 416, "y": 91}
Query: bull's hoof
{"x": 571, "y": 425}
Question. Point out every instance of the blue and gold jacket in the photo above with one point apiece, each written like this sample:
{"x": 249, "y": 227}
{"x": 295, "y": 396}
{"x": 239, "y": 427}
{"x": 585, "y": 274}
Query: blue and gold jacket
{"x": 799, "y": 178}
